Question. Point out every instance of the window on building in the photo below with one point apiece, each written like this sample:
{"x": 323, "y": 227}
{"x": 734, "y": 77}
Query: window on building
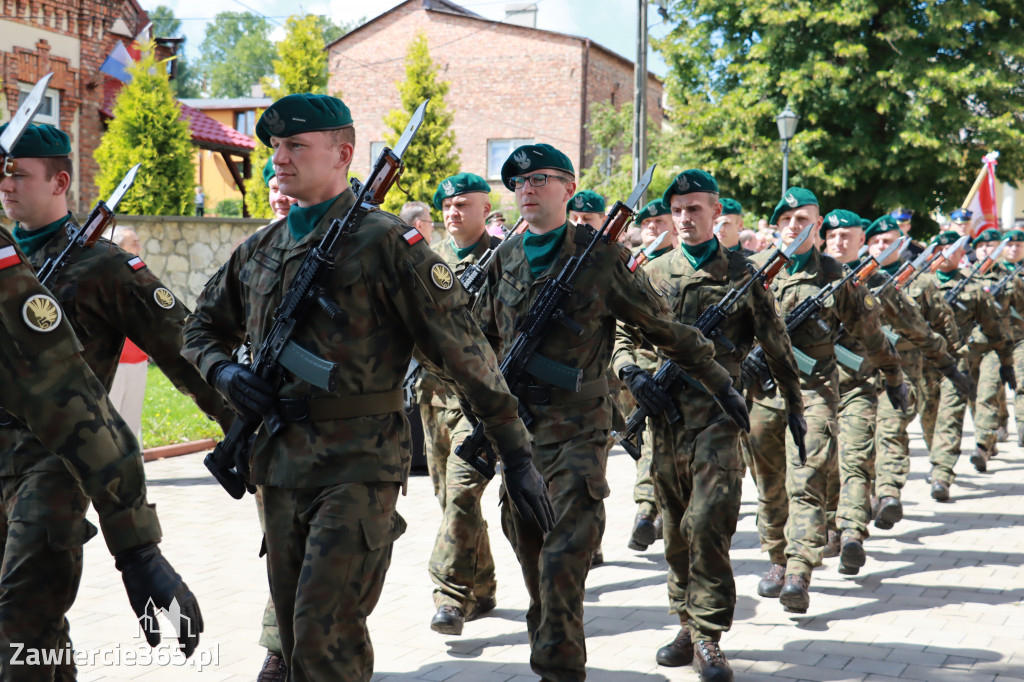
{"x": 245, "y": 122}
{"x": 375, "y": 150}
{"x": 497, "y": 153}
{"x": 49, "y": 111}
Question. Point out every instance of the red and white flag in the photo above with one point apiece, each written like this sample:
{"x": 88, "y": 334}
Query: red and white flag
{"x": 981, "y": 201}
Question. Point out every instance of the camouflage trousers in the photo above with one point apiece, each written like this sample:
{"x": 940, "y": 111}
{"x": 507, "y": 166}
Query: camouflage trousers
{"x": 270, "y": 638}
{"x": 791, "y": 512}
{"x": 555, "y": 567}
{"x": 858, "y": 410}
{"x": 42, "y": 531}
{"x": 942, "y": 421}
{"x": 985, "y": 408}
{"x": 461, "y": 564}
{"x": 892, "y": 442}
{"x": 698, "y": 474}
{"x": 328, "y": 550}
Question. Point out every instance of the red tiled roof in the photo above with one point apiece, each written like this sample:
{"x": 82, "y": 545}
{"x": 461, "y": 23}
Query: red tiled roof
{"x": 205, "y": 131}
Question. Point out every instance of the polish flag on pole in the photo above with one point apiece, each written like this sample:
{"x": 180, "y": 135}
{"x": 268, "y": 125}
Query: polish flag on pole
{"x": 981, "y": 200}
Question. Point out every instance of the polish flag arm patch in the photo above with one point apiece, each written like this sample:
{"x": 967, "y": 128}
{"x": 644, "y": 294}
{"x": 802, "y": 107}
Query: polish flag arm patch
{"x": 8, "y": 257}
{"x": 412, "y": 236}
{"x": 136, "y": 263}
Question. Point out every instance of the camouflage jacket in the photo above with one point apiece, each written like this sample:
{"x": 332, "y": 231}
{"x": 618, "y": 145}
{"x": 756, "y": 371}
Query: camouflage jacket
{"x": 982, "y": 326}
{"x": 430, "y": 389}
{"x": 690, "y": 292}
{"x": 851, "y": 306}
{"x": 905, "y": 324}
{"x": 644, "y": 355}
{"x": 609, "y": 286}
{"x": 49, "y": 390}
{"x": 1010, "y": 300}
{"x": 396, "y": 294}
{"x": 936, "y": 312}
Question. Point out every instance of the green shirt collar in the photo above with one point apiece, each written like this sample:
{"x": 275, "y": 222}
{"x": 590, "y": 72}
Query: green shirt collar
{"x": 660, "y": 252}
{"x": 891, "y": 268}
{"x": 799, "y": 261}
{"x": 945, "y": 276}
{"x": 31, "y": 241}
{"x": 542, "y": 249}
{"x": 301, "y": 221}
{"x": 461, "y": 253}
{"x": 701, "y": 253}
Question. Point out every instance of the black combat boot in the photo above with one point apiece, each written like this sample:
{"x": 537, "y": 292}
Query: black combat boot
{"x": 890, "y": 512}
{"x": 644, "y": 533}
{"x": 940, "y": 490}
{"x": 678, "y": 652}
{"x": 795, "y": 596}
{"x": 710, "y": 663}
{"x": 851, "y": 553}
{"x": 448, "y": 620}
{"x": 771, "y": 584}
{"x": 274, "y": 669}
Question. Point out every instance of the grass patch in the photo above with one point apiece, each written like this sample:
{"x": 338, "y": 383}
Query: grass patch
{"x": 168, "y": 417}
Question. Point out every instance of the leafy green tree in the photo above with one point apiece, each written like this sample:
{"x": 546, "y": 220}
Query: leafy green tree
{"x": 147, "y": 128}
{"x": 237, "y": 53}
{"x": 611, "y": 173}
{"x": 257, "y": 196}
{"x": 166, "y": 25}
{"x": 432, "y": 156}
{"x": 898, "y": 101}
{"x": 332, "y": 30}
{"x": 301, "y": 64}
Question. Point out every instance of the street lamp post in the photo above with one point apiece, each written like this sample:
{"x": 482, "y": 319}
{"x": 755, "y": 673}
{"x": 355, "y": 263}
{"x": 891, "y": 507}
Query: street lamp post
{"x": 787, "y": 122}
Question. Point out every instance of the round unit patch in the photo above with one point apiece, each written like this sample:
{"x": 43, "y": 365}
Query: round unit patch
{"x": 164, "y": 298}
{"x": 654, "y": 285}
{"x": 870, "y": 302}
{"x": 442, "y": 276}
{"x": 778, "y": 308}
{"x": 41, "y": 313}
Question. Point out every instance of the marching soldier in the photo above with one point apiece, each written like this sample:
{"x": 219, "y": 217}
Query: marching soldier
{"x": 903, "y": 218}
{"x": 943, "y": 408}
{"x": 332, "y": 476}
{"x": 1013, "y": 254}
{"x": 697, "y": 466}
{"x": 731, "y": 222}
{"x": 793, "y": 531}
{"x": 587, "y": 207}
{"x": 461, "y": 564}
{"x": 570, "y": 429}
{"x": 961, "y": 221}
{"x": 106, "y": 294}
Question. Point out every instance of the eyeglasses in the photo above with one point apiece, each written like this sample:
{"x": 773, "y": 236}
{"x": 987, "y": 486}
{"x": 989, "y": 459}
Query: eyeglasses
{"x": 535, "y": 180}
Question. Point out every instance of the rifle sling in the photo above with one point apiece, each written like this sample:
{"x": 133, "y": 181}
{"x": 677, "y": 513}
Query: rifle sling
{"x": 339, "y": 407}
{"x": 552, "y": 395}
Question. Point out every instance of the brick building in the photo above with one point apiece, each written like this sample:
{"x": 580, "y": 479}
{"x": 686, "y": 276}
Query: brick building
{"x": 510, "y": 84}
{"x": 71, "y": 38}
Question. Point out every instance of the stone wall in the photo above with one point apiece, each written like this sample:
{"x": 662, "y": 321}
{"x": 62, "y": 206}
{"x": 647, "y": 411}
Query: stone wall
{"x": 184, "y": 252}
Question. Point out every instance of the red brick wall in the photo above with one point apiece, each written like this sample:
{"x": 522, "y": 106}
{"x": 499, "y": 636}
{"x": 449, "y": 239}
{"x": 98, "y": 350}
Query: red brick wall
{"x": 80, "y": 90}
{"x": 506, "y": 81}
{"x": 611, "y": 80}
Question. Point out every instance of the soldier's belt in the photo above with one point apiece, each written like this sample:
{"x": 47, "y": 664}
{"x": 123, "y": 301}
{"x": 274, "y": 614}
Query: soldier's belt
{"x": 532, "y": 394}
{"x": 341, "y": 407}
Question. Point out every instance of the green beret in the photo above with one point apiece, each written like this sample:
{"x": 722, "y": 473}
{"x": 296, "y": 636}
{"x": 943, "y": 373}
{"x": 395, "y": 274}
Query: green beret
{"x": 460, "y": 183}
{"x": 587, "y": 201}
{"x": 40, "y": 141}
{"x": 268, "y": 171}
{"x": 865, "y": 223}
{"x": 946, "y": 238}
{"x": 989, "y": 235}
{"x": 1014, "y": 235}
{"x": 795, "y": 197}
{"x": 531, "y": 157}
{"x": 839, "y": 218}
{"x": 689, "y": 181}
{"x": 304, "y": 113}
{"x": 652, "y": 209}
{"x": 882, "y": 225}
{"x": 731, "y": 207}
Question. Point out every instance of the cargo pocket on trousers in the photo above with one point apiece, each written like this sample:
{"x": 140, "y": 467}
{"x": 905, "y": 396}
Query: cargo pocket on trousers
{"x": 383, "y": 529}
{"x": 67, "y": 535}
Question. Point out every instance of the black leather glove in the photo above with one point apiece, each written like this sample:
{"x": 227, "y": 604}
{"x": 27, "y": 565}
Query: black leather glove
{"x": 899, "y": 396}
{"x": 734, "y": 405}
{"x": 798, "y": 427}
{"x": 248, "y": 394}
{"x": 1008, "y": 377}
{"x": 526, "y": 488}
{"x": 648, "y": 394}
{"x": 152, "y": 584}
{"x": 961, "y": 382}
{"x": 756, "y": 375}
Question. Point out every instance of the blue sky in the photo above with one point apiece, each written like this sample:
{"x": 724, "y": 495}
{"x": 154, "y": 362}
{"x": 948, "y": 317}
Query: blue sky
{"x": 611, "y": 23}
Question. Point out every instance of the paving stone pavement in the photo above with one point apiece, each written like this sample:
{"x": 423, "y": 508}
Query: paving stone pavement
{"x": 940, "y": 599}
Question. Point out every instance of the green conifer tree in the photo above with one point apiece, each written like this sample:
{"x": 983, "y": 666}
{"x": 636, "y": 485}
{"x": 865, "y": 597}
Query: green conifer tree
{"x": 432, "y": 156}
{"x": 301, "y": 64}
{"x": 148, "y": 129}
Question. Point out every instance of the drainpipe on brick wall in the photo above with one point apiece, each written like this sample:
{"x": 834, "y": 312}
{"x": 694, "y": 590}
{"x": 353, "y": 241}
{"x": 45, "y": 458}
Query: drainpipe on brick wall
{"x": 583, "y": 105}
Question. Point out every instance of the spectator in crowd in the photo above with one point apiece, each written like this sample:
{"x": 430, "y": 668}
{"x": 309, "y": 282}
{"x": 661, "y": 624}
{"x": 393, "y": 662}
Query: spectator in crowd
{"x": 750, "y": 241}
{"x": 200, "y": 201}
{"x": 496, "y": 224}
{"x": 417, "y": 214}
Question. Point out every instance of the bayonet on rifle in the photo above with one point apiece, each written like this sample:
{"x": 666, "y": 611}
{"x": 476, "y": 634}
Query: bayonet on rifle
{"x": 19, "y": 123}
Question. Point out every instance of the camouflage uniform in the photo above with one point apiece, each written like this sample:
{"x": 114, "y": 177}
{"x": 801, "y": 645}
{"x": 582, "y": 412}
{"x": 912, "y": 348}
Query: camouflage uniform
{"x": 943, "y": 409}
{"x": 48, "y": 389}
{"x": 570, "y": 430}
{"x": 331, "y": 481}
{"x": 697, "y": 467}
{"x": 864, "y": 414}
{"x": 106, "y": 294}
{"x": 461, "y": 564}
{"x": 797, "y": 529}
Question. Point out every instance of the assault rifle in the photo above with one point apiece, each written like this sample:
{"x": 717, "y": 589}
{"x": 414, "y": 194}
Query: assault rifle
{"x": 998, "y": 287}
{"x": 646, "y": 253}
{"x": 670, "y": 377}
{"x": 908, "y": 271}
{"x": 87, "y": 235}
{"x": 546, "y": 310}
{"x": 17, "y": 125}
{"x": 980, "y": 268}
{"x": 755, "y": 367}
{"x": 229, "y": 460}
